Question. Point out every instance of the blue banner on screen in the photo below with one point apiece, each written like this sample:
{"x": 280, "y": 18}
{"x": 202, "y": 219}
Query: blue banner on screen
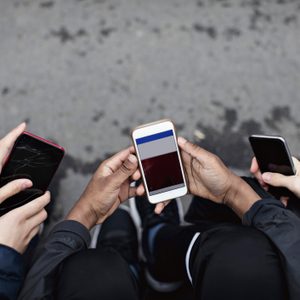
{"x": 160, "y": 162}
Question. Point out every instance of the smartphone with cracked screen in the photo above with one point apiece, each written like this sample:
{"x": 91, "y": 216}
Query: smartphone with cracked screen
{"x": 159, "y": 160}
{"x": 273, "y": 155}
{"x": 34, "y": 158}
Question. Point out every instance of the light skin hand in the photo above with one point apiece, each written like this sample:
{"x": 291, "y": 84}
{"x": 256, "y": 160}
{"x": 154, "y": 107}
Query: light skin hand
{"x": 107, "y": 189}
{"x": 20, "y": 225}
{"x": 278, "y": 180}
{"x": 209, "y": 178}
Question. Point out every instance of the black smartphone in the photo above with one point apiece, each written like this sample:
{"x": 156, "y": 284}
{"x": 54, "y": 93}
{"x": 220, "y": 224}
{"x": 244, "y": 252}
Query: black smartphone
{"x": 34, "y": 158}
{"x": 273, "y": 155}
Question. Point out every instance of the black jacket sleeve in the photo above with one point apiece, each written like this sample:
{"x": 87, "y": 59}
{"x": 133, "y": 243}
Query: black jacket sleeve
{"x": 66, "y": 238}
{"x": 283, "y": 228}
{"x": 11, "y": 272}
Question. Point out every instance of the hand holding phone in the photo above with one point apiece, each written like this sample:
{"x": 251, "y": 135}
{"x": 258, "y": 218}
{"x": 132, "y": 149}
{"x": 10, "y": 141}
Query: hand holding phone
{"x": 275, "y": 164}
{"x": 18, "y": 226}
{"x": 159, "y": 161}
{"x": 276, "y": 179}
{"x": 32, "y": 158}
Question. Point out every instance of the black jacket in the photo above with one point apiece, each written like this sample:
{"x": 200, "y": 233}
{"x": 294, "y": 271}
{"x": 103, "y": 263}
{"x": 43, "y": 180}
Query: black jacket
{"x": 268, "y": 215}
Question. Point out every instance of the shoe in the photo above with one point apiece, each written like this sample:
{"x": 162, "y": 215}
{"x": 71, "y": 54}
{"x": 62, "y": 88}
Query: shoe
{"x": 119, "y": 233}
{"x": 142, "y": 212}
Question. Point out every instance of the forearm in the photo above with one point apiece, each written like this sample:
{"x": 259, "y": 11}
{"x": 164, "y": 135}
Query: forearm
{"x": 66, "y": 238}
{"x": 283, "y": 228}
{"x": 240, "y": 196}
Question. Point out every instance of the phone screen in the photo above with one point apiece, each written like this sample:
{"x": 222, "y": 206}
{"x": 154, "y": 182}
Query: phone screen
{"x": 272, "y": 155}
{"x": 160, "y": 162}
{"x": 33, "y": 159}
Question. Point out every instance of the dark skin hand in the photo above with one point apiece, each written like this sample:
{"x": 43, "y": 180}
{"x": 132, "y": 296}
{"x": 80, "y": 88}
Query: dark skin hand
{"x": 107, "y": 189}
{"x": 208, "y": 177}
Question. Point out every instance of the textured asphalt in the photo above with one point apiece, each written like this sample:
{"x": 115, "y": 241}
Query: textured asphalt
{"x": 84, "y": 72}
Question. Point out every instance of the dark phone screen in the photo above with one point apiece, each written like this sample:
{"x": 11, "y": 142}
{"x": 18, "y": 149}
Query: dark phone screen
{"x": 160, "y": 161}
{"x": 33, "y": 159}
{"x": 272, "y": 155}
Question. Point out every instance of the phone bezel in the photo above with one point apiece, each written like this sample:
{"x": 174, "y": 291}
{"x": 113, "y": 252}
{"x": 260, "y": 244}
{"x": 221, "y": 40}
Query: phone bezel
{"x": 277, "y": 138}
{"x": 153, "y": 128}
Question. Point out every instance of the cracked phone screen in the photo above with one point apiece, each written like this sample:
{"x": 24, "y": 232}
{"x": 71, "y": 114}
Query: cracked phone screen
{"x": 32, "y": 159}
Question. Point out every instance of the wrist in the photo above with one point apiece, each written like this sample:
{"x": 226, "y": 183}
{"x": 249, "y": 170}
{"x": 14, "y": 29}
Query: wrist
{"x": 240, "y": 196}
{"x": 83, "y": 214}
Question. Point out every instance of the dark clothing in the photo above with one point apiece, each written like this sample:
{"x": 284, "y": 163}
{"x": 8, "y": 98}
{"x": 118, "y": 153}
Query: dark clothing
{"x": 283, "y": 228}
{"x": 96, "y": 274}
{"x": 236, "y": 262}
{"x": 228, "y": 261}
{"x": 280, "y": 225}
{"x": 11, "y": 272}
{"x": 67, "y": 238}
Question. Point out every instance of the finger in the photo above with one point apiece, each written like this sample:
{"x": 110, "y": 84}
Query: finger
{"x": 8, "y": 141}
{"x": 296, "y": 164}
{"x": 254, "y": 166}
{"x": 136, "y": 175}
{"x": 284, "y": 200}
{"x": 127, "y": 169}
{"x": 276, "y": 179}
{"x": 132, "y": 150}
{"x": 160, "y": 207}
{"x": 140, "y": 191}
{"x": 195, "y": 151}
{"x": 37, "y": 219}
{"x": 30, "y": 209}
{"x": 115, "y": 162}
{"x": 14, "y": 187}
{"x": 34, "y": 231}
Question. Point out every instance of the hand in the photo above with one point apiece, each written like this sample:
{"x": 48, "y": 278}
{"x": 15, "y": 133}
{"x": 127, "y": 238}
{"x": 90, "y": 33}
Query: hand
{"x": 18, "y": 226}
{"x": 108, "y": 188}
{"x": 21, "y": 224}
{"x": 209, "y": 178}
{"x": 278, "y": 180}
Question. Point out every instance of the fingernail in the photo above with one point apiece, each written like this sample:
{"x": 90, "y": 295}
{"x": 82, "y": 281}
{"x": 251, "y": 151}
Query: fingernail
{"x": 26, "y": 184}
{"x": 132, "y": 158}
{"x": 266, "y": 176}
{"x": 181, "y": 140}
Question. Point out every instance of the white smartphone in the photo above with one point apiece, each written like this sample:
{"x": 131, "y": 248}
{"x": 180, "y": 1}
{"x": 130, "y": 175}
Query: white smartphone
{"x": 159, "y": 160}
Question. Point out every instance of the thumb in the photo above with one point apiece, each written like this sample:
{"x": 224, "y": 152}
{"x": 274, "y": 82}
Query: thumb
{"x": 193, "y": 150}
{"x": 127, "y": 168}
{"x": 276, "y": 179}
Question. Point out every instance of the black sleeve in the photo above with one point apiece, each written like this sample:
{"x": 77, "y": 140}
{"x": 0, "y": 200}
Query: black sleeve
{"x": 66, "y": 238}
{"x": 283, "y": 228}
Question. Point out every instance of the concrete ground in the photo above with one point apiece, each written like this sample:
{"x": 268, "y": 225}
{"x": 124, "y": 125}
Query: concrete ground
{"x": 84, "y": 72}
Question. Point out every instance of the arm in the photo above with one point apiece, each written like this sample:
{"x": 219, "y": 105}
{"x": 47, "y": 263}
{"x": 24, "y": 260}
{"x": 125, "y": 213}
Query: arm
{"x": 208, "y": 177}
{"x": 11, "y": 272}
{"x": 66, "y": 238}
{"x": 18, "y": 226}
{"x": 283, "y": 228}
{"x": 108, "y": 187}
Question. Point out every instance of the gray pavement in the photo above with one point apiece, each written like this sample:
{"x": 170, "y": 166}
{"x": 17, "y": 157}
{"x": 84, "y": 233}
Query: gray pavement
{"x": 84, "y": 72}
